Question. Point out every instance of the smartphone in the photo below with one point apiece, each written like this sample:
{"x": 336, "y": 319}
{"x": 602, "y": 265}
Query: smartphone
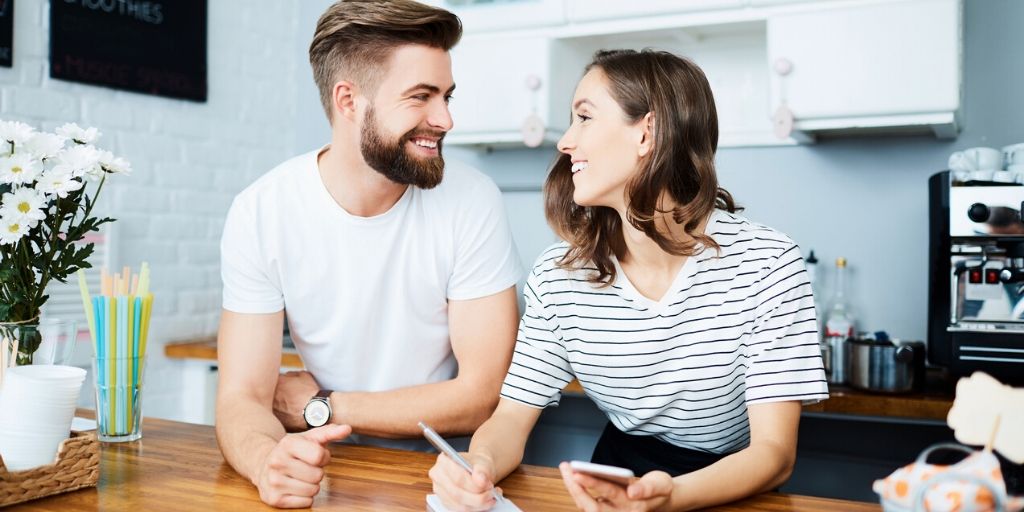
{"x": 621, "y": 476}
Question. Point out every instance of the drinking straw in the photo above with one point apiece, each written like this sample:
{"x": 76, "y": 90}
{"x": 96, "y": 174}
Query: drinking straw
{"x": 111, "y": 306}
{"x": 130, "y": 336}
{"x": 83, "y": 287}
{"x": 147, "y": 309}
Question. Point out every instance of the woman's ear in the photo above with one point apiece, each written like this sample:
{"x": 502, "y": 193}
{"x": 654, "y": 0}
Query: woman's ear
{"x": 646, "y": 145}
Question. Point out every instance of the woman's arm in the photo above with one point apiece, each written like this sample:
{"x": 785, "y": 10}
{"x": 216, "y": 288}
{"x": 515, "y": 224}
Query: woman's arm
{"x": 762, "y": 466}
{"x": 495, "y": 451}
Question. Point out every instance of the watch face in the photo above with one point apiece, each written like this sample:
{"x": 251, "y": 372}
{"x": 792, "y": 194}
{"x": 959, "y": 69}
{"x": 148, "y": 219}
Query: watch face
{"x": 316, "y": 413}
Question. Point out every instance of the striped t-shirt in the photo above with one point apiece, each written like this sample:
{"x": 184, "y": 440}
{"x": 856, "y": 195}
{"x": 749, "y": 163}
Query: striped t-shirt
{"x": 733, "y": 329}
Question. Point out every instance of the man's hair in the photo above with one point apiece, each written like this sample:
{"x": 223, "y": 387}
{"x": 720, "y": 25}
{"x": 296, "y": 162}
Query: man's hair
{"x": 354, "y": 39}
{"x": 681, "y": 164}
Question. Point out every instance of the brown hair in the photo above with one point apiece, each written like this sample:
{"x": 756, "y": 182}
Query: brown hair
{"x": 682, "y": 163}
{"x": 354, "y": 38}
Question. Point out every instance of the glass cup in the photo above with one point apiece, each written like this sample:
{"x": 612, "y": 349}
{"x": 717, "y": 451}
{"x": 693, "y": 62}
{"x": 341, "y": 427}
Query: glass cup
{"x": 118, "y": 382}
{"x": 51, "y": 341}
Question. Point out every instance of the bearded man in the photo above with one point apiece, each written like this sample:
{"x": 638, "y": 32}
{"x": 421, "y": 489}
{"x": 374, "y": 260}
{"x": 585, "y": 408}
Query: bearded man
{"x": 397, "y": 272}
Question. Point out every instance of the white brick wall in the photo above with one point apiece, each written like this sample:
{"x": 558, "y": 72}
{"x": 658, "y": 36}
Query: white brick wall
{"x": 190, "y": 159}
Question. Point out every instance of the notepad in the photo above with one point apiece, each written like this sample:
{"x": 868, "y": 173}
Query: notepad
{"x": 434, "y": 505}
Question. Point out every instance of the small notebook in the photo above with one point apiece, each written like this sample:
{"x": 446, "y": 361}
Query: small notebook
{"x": 434, "y": 505}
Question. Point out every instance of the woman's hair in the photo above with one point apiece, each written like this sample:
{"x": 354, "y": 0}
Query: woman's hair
{"x": 354, "y": 38}
{"x": 681, "y": 163}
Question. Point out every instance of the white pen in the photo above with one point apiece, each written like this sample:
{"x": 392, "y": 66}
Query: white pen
{"x": 447, "y": 449}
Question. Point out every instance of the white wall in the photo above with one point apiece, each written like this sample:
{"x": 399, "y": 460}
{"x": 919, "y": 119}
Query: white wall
{"x": 189, "y": 158}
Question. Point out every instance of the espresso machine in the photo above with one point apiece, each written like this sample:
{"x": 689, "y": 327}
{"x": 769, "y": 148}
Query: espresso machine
{"x": 976, "y": 276}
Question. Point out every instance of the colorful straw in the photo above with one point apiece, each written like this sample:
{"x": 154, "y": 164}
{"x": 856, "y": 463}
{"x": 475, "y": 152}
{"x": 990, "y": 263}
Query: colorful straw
{"x": 118, "y": 321}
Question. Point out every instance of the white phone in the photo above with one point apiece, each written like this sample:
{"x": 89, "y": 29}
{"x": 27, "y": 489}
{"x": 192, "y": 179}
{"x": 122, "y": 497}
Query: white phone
{"x": 621, "y": 476}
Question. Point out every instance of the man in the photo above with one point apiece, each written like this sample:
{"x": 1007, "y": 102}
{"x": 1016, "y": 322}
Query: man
{"x": 397, "y": 273}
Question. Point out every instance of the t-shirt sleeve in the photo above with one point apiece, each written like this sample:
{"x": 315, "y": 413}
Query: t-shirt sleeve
{"x": 540, "y": 366}
{"x": 486, "y": 259}
{"x": 248, "y": 287}
{"x": 785, "y": 358}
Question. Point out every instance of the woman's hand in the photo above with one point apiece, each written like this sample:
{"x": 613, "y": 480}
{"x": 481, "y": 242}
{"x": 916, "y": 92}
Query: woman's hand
{"x": 650, "y": 492}
{"x": 460, "y": 491}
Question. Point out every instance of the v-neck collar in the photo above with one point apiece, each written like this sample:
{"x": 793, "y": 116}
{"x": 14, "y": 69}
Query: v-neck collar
{"x": 680, "y": 282}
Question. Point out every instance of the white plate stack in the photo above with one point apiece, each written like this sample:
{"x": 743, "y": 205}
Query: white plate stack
{"x": 37, "y": 404}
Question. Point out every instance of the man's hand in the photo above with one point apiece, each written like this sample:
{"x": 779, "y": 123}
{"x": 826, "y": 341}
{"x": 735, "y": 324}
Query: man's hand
{"x": 291, "y": 474}
{"x": 294, "y": 389}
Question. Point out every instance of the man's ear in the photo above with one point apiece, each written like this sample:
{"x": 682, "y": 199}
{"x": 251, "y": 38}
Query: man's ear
{"x": 646, "y": 145}
{"x": 343, "y": 99}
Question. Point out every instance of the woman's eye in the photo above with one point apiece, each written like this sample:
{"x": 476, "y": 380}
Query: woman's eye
{"x": 582, "y": 117}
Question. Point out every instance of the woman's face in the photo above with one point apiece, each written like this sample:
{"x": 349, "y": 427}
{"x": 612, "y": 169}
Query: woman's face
{"x": 604, "y": 146}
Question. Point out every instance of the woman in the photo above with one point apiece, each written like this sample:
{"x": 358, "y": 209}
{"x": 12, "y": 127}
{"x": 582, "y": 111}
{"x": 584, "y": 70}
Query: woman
{"x": 692, "y": 328}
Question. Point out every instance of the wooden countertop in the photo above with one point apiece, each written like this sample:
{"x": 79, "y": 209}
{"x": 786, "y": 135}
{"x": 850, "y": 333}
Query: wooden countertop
{"x": 178, "y": 466}
{"x": 933, "y": 404}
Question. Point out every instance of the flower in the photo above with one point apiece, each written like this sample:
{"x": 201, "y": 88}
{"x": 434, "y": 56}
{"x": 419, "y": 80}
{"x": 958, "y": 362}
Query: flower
{"x": 15, "y": 133}
{"x": 45, "y": 145}
{"x": 20, "y": 168}
{"x": 114, "y": 164}
{"x": 78, "y": 134}
{"x": 11, "y": 230}
{"x": 25, "y": 204}
{"x": 80, "y": 160}
{"x": 59, "y": 181}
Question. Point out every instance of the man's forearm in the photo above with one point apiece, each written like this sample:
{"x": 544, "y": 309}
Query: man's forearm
{"x": 452, "y": 407}
{"x": 246, "y": 432}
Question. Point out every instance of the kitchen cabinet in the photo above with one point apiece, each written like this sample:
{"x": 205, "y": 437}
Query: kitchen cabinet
{"x": 857, "y": 65}
{"x": 487, "y": 15}
{"x": 870, "y": 65}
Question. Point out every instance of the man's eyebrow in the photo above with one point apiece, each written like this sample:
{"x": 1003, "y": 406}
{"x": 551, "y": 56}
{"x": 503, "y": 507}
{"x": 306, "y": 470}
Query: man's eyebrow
{"x": 433, "y": 89}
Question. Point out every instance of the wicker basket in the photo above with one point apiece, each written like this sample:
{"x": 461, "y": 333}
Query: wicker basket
{"x": 77, "y": 466}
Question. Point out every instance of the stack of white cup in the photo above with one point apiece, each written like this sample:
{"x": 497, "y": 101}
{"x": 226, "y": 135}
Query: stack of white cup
{"x": 1013, "y": 156}
{"x": 37, "y": 404}
{"x": 989, "y": 164}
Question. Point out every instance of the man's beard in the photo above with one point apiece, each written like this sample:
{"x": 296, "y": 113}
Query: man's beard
{"x": 391, "y": 158}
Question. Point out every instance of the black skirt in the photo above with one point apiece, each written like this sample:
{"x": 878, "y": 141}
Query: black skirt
{"x": 644, "y": 454}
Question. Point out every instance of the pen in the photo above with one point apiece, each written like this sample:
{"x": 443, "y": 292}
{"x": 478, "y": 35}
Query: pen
{"x": 447, "y": 449}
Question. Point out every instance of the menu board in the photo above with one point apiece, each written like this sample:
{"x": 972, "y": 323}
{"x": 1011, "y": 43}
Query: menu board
{"x": 6, "y": 33}
{"x": 149, "y": 46}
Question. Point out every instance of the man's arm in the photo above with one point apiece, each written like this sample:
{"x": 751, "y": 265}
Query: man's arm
{"x": 249, "y": 361}
{"x": 483, "y": 334}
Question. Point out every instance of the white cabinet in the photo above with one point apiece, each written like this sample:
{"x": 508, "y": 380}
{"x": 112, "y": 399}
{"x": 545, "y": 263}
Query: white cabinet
{"x": 891, "y": 64}
{"x": 592, "y": 10}
{"x": 485, "y": 16}
{"x": 492, "y": 99}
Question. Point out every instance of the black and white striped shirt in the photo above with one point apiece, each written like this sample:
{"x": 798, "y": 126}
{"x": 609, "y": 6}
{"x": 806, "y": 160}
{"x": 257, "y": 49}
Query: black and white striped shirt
{"x": 734, "y": 329}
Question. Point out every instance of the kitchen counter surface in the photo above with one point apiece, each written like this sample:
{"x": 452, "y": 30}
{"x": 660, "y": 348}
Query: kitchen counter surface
{"x": 178, "y": 466}
{"x": 931, "y": 404}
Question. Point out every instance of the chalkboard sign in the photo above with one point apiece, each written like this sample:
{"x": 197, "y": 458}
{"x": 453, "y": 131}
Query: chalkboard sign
{"x": 6, "y": 33}
{"x": 148, "y": 46}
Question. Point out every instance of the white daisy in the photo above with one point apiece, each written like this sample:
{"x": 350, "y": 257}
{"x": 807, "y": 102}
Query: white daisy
{"x": 59, "y": 181}
{"x": 11, "y": 230}
{"x": 80, "y": 159}
{"x": 114, "y": 164}
{"x": 25, "y": 204}
{"x": 78, "y": 134}
{"x": 21, "y": 168}
{"x": 45, "y": 145}
{"x": 13, "y": 131}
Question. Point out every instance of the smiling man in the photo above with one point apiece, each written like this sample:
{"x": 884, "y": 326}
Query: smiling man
{"x": 397, "y": 271}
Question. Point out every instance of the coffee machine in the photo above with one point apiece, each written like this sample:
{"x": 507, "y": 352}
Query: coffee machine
{"x": 976, "y": 276}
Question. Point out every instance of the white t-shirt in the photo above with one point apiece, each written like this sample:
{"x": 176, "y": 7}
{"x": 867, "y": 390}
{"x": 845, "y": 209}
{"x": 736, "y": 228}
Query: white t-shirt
{"x": 733, "y": 329}
{"x": 366, "y": 297}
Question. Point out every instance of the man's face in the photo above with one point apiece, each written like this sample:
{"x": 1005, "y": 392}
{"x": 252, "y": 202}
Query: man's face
{"x": 404, "y": 124}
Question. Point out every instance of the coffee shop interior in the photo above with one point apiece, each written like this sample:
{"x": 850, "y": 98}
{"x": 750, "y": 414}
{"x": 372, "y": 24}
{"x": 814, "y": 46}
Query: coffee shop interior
{"x": 886, "y": 137}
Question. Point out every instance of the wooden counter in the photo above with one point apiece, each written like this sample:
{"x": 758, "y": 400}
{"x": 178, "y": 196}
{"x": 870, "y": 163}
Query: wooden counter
{"x": 933, "y": 404}
{"x": 177, "y": 466}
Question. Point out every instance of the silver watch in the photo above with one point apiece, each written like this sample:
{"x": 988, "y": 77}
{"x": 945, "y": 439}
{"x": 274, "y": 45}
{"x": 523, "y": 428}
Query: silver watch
{"x": 318, "y": 410}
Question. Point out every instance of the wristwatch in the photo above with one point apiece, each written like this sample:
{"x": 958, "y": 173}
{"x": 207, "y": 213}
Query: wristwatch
{"x": 318, "y": 410}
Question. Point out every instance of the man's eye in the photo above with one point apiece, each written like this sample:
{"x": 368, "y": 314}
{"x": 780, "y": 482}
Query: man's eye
{"x": 449, "y": 98}
{"x": 420, "y": 97}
